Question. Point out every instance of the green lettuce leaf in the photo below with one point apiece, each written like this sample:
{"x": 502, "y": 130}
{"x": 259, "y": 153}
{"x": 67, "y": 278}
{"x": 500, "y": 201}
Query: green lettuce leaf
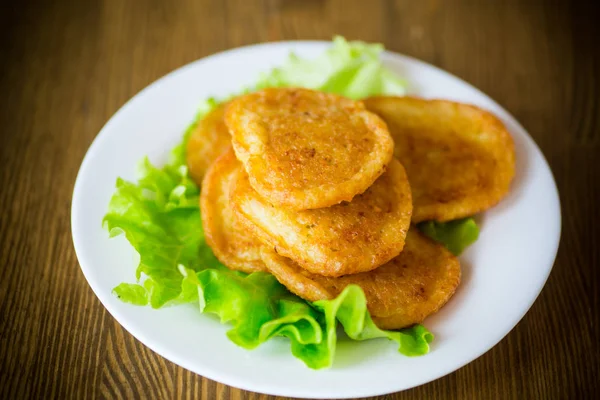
{"x": 258, "y": 308}
{"x": 350, "y": 308}
{"x": 160, "y": 218}
{"x": 456, "y": 235}
{"x": 132, "y": 293}
{"x": 351, "y": 69}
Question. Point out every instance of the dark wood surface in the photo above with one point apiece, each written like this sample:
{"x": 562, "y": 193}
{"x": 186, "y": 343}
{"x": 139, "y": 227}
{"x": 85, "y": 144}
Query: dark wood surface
{"x": 67, "y": 66}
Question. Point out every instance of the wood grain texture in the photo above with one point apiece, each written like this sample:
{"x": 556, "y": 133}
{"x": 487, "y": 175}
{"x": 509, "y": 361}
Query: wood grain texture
{"x": 66, "y": 67}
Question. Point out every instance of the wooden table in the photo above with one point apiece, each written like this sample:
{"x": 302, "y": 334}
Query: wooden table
{"x": 66, "y": 67}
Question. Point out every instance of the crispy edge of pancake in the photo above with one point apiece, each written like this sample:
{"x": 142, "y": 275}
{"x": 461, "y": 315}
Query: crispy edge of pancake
{"x": 496, "y": 147}
{"x": 209, "y": 139}
{"x": 254, "y": 146}
{"x": 227, "y": 238}
{"x": 403, "y": 292}
{"x": 347, "y": 238}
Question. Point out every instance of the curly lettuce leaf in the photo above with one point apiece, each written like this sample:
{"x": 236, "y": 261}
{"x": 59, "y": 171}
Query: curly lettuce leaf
{"x": 456, "y": 235}
{"x": 351, "y": 69}
{"x": 350, "y": 309}
{"x": 258, "y": 308}
{"x": 132, "y": 293}
{"x": 160, "y": 217}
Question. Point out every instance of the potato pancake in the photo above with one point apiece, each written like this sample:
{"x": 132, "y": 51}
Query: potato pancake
{"x": 208, "y": 141}
{"x": 305, "y": 149}
{"x": 460, "y": 159}
{"x": 406, "y": 290}
{"x": 343, "y": 239}
{"x": 233, "y": 245}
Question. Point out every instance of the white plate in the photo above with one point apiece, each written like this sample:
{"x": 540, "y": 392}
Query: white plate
{"x": 503, "y": 272}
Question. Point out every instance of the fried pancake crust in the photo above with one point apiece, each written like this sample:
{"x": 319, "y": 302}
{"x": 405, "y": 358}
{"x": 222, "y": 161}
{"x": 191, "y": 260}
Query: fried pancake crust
{"x": 460, "y": 159}
{"x": 233, "y": 245}
{"x": 305, "y": 149}
{"x": 347, "y": 238}
{"x": 208, "y": 141}
{"x": 402, "y": 292}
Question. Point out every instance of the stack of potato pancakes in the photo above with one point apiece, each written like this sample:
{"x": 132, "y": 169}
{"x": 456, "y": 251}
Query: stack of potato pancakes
{"x": 321, "y": 191}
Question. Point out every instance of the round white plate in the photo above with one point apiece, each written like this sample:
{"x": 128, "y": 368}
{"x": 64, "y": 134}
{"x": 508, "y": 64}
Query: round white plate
{"x": 503, "y": 272}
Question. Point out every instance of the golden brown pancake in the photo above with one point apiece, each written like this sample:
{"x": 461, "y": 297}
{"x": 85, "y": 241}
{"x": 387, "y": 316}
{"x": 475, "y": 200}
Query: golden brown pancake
{"x": 305, "y": 149}
{"x": 460, "y": 159}
{"x": 208, "y": 141}
{"x": 402, "y": 292}
{"x": 233, "y": 245}
{"x": 347, "y": 238}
